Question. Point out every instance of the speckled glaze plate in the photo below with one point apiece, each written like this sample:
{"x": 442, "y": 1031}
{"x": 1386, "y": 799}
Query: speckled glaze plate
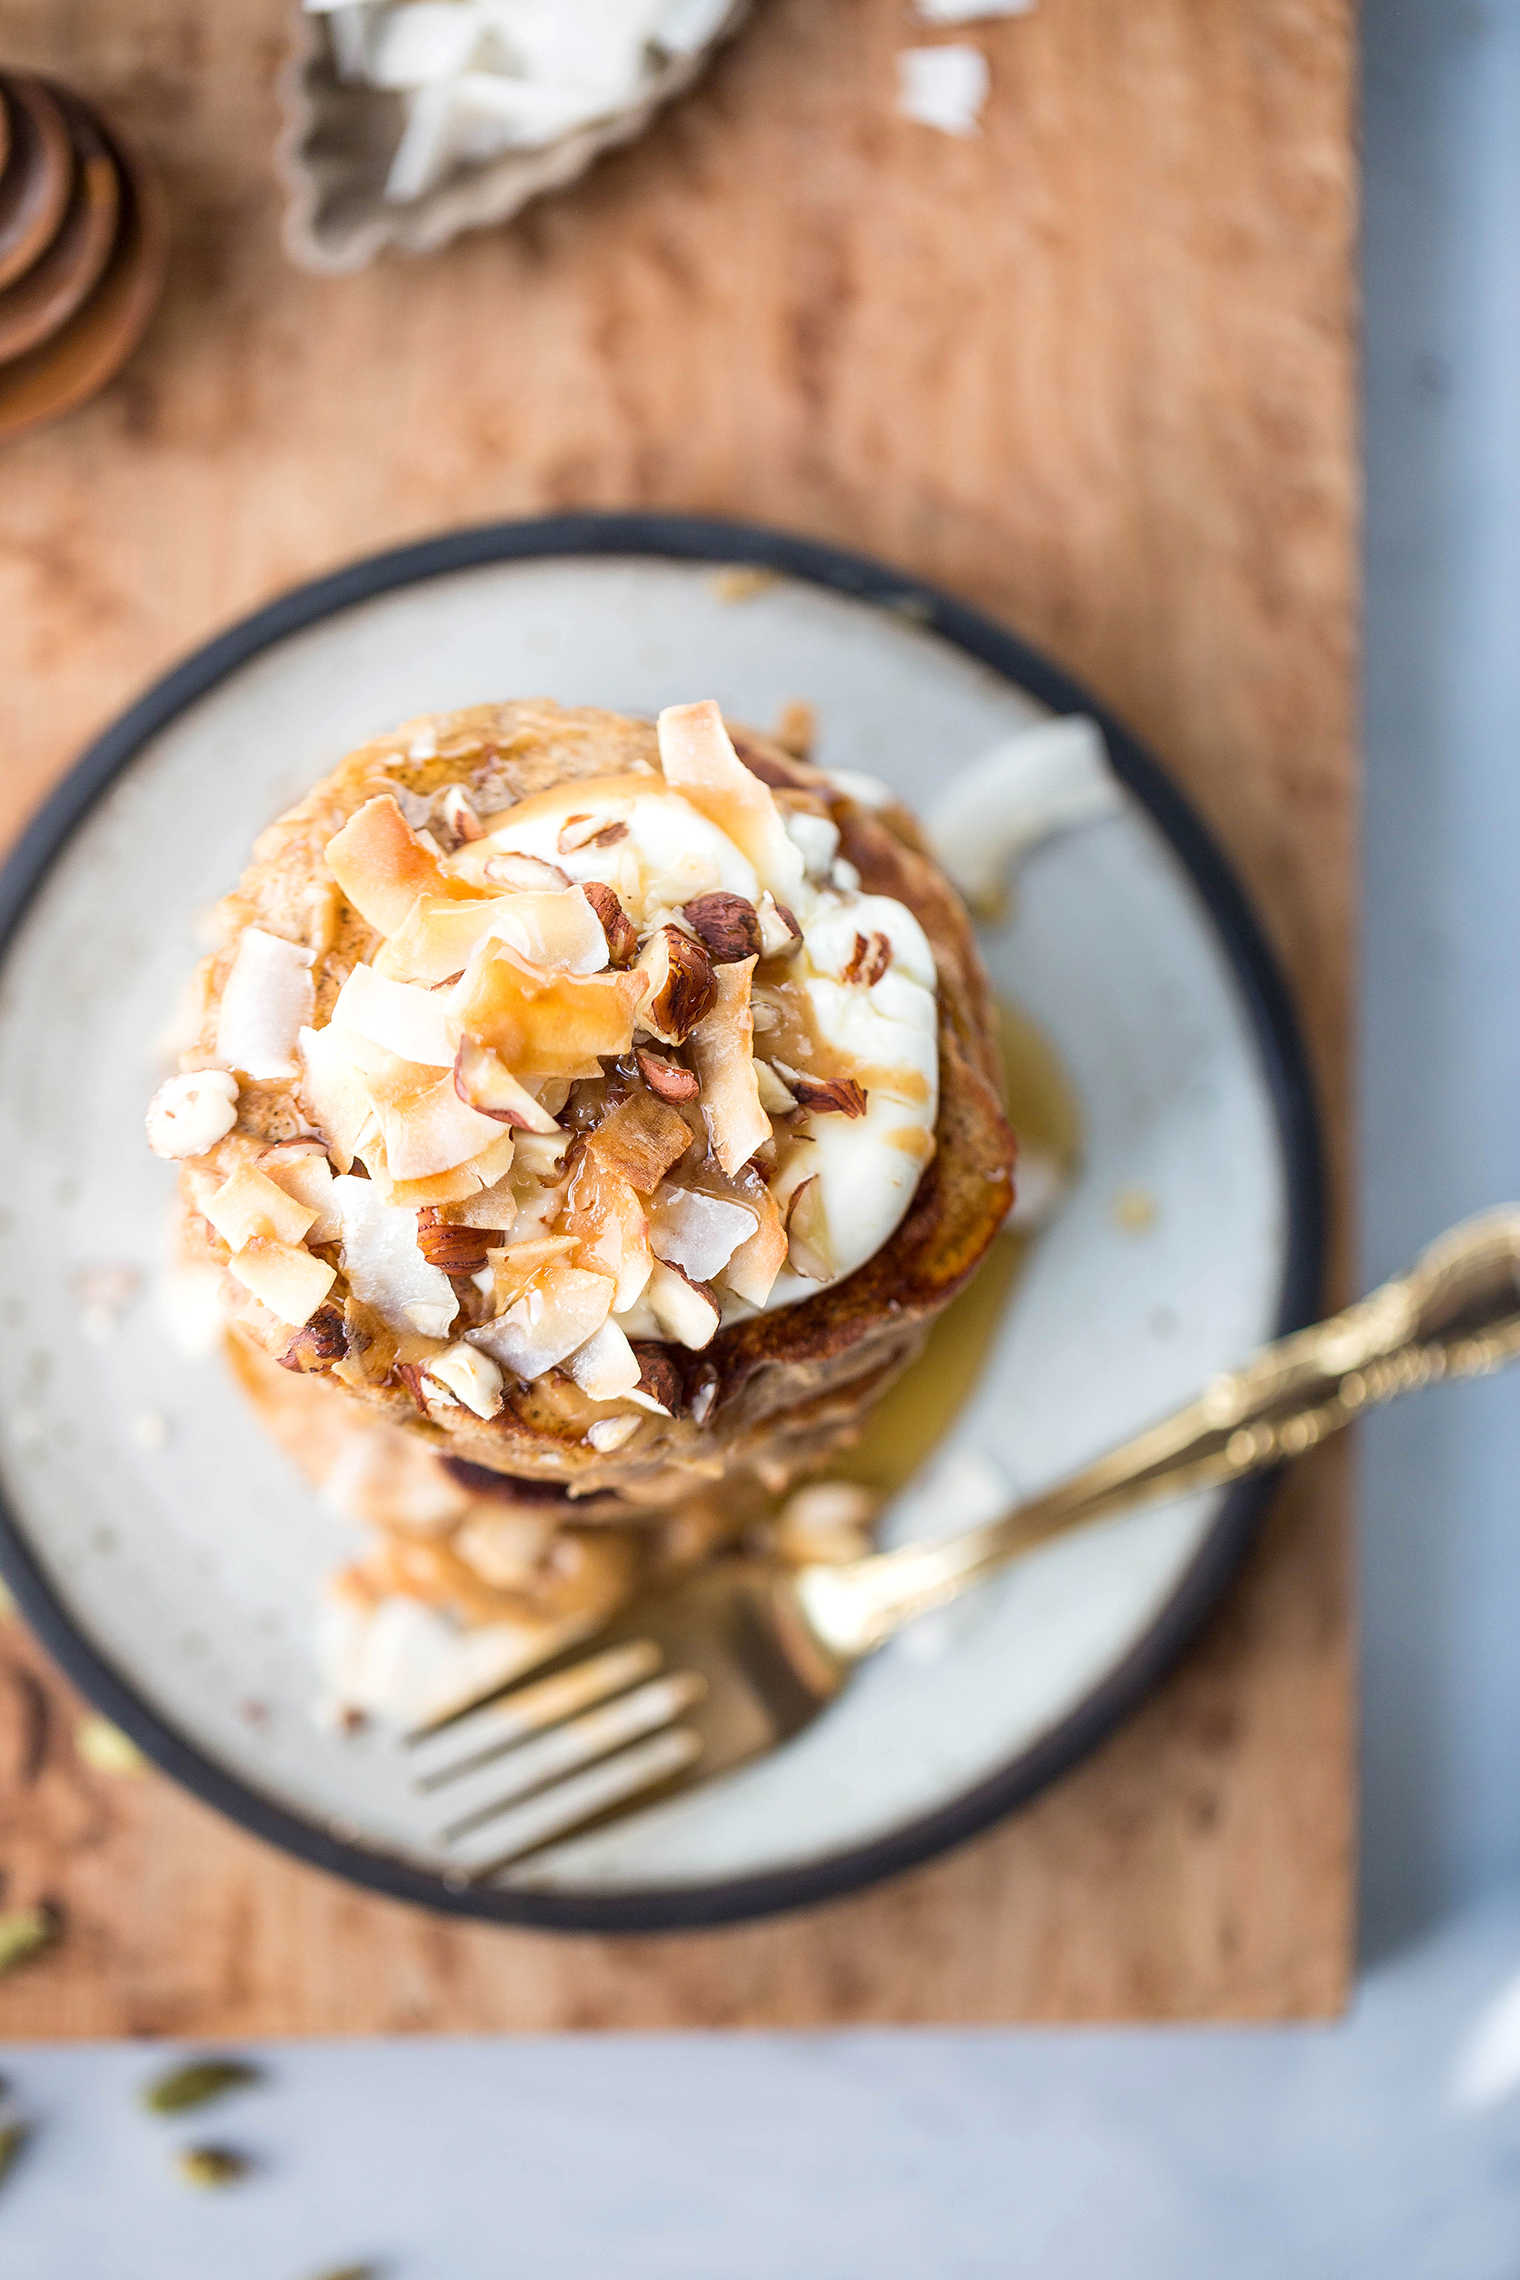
{"x": 168, "y": 1553}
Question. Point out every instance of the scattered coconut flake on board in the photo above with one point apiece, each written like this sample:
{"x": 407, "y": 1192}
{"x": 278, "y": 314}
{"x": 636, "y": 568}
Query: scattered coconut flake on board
{"x": 970, "y": 11}
{"x": 943, "y": 87}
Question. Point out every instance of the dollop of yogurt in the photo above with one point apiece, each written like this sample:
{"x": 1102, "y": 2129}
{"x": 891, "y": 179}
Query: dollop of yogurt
{"x": 872, "y": 1008}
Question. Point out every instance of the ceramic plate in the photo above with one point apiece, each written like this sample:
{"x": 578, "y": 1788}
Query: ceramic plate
{"x": 171, "y": 1557}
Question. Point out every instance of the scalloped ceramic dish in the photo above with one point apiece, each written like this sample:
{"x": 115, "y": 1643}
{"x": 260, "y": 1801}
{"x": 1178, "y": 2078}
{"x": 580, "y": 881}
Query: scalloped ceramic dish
{"x": 173, "y": 1565}
{"x": 338, "y": 142}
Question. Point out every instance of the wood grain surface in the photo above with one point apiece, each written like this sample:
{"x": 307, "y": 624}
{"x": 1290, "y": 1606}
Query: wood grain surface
{"x": 1092, "y": 369}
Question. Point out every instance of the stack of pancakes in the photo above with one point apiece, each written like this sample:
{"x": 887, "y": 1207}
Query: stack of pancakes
{"x": 82, "y": 247}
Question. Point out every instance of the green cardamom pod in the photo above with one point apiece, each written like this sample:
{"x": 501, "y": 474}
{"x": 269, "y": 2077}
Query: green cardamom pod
{"x": 22, "y": 1932}
{"x": 197, "y": 2084}
{"x": 13, "y": 2136}
{"x": 211, "y": 2164}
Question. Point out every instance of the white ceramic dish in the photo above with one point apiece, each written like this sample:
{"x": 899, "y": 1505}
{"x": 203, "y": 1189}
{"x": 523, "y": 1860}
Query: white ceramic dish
{"x": 176, "y": 1582}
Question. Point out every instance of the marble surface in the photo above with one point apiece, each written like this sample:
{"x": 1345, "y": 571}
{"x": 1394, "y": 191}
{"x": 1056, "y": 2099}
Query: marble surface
{"x": 1346, "y": 2150}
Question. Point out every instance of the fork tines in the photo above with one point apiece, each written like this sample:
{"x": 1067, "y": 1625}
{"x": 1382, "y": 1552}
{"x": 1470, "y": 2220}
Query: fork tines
{"x": 550, "y": 1755}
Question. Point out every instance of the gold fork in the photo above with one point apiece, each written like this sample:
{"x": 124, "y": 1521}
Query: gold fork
{"x": 694, "y": 1680}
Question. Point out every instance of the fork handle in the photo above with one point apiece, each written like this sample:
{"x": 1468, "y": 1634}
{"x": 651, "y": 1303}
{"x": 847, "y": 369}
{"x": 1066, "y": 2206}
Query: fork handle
{"x": 1456, "y": 1313}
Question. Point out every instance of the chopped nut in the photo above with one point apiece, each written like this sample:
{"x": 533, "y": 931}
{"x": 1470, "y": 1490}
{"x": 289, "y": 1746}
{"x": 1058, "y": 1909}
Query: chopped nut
{"x": 869, "y": 960}
{"x": 320, "y": 1343}
{"x": 609, "y": 1433}
{"x": 526, "y": 872}
{"x": 684, "y": 1309}
{"x": 797, "y": 730}
{"x": 728, "y": 926}
{"x": 186, "y": 2087}
{"x": 457, "y": 812}
{"x": 775, "y": 1099}
{"x": 681, "y": 985}
{"x": 659, "y": 1386}
{"x": 603, "y": 830}
{"x": 463, "y": 1374}
{"x": 458, "y": 1250}
{"x": 667, "y": 1079}
{"x": 622, "y": 935}
{"x": 702, "y": 1393}
{"x": 806, "y": 1232}
{"x": 190, "y": 1113}
{"x": 825, "y": 1096}
{"x": 779, "y": 932}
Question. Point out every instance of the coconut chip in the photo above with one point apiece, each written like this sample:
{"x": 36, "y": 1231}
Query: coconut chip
{"x": 267, "y": 998}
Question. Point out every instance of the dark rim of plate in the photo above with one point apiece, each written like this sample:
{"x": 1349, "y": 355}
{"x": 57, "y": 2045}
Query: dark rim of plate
{"x": 693, "y": 538}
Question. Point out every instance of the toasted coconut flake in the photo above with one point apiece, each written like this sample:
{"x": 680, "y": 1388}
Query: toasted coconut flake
{"x": 641, "y": 1138}
{"x": 680, "y": 983}
{"x": 525, "y": 872}
{"x": 755, "y": 1265}
{"x": 558, "y": 931}
{"x": 267, "y": 998}
{"x": 604, "y": 828}
{"x": 519, "y": 1263}
{"x": 618, "y": 929}
{"x": 308, "y": 1178}
{"x": 321, "y": 1342}
{"x": 385, "y": 1268}
{"x": 775, "y": 1098}
{"x": 438, "y": 938}
{"x": 558, "y": 1313}
{"x": 606, "y": 1367}
{"x": 779, "y": 932}
{"x": 547, "y": 1025}
{"x": 333, "y": 1092}
{"x": 495, "y": 1207}
{"x": 666, "y": 1079}
{"x": 464, "y": 1374}
{"x": 382, "y": 866}
{"x": 248, "y": 1204}
{"x": 608, "y": 1221}
{"x": 426, "y": 1127}
{"x": 727, "y": 926}
{"x": 869, "y": 960}
{"x": 825, "y": 1096}
{"x": 721, "y": 1046}
{"x": 659, "y": 1388}
{"x": 685, "y": 1310}
{"x": 400, "y": 1017}
{"x": 283, "y": 1277}
{"x": 483, "y": 1079}
{"x": 698, "y": 1233}
{"x": 456, "y": 1187}
{"x": 189, "y": 1114}
{"x": 699, "y": 761}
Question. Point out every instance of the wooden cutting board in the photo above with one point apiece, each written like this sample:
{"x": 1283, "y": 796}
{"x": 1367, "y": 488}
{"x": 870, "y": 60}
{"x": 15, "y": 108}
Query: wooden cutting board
{"x": 1093, "y": 369}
